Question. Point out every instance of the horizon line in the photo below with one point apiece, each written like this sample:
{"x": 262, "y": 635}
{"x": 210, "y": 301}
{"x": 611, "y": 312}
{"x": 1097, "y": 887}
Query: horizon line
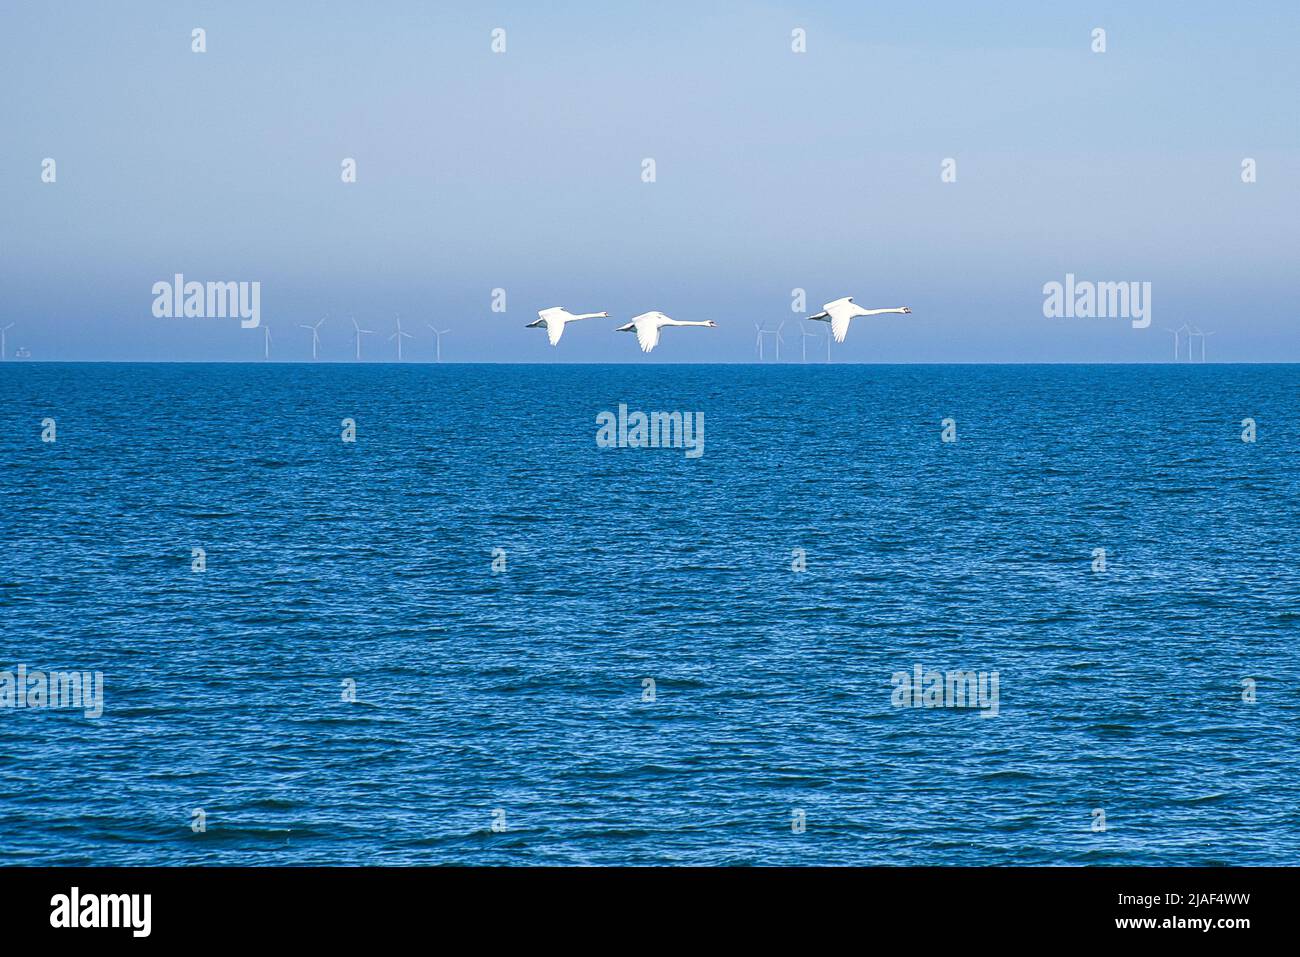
{"x": 416, "y": 362}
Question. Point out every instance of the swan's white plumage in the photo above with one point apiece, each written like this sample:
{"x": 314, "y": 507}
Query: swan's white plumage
{"x": 648, "y": 325}
{"x": 554, "y": 325}
{"x": 555, "y": 319}
{"x": 647, "y": 334}
{"x": 840, "y": 312}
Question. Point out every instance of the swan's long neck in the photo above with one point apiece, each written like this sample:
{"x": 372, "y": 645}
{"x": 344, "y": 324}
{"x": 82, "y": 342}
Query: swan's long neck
{"x": 687, "y": 322}
{"x": 901, "y": 310}
{"x": 589, "y": 315}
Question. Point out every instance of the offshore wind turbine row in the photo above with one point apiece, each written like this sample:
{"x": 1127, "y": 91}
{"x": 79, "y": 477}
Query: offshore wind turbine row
{"x": 838, "y": 314}
{"x": 648, "y": 327}
{"x": 1191, "y": 332}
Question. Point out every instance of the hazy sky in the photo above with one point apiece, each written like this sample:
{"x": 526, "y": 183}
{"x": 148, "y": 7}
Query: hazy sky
{"x": 775, "y": 170}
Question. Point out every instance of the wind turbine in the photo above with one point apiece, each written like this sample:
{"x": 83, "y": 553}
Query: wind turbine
{"x": 2, "y": 339}
{"x": 358, "y": 333}
{"x": 761, "y": 332}
{"x": 315, "y": 337}
{"x": 1178, "y": 334}
{"x": 1196, "y": 331}
{"x": 439, "y": 333}
{"x": 804, "y": 336}
{"x": 1175, "y": 332}
{"x": 779, "y": 340}
{"x": 266, "y": 342}
{"x": 399, "y": 335}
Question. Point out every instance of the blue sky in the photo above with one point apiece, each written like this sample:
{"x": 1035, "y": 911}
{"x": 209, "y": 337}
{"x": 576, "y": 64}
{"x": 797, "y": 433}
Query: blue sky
{"x": 775, "y": 170}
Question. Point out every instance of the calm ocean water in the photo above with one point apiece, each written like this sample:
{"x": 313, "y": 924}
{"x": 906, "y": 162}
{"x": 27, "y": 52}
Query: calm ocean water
{"x": 522, "y": 691}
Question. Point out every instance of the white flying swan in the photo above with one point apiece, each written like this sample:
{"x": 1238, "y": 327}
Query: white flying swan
{"x": 555, "y": 318}
{"x": 647, "y": 326}
{"x": 839, "y": 312}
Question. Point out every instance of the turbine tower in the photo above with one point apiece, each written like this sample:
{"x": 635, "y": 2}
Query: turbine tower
{"x": 1175, "y": 332}
{"x": 1178, "y": 335}
{"x": 804, "y": 336}
{"x": 438, "y": 333}
{"x": 358, "y": 332}
{"x": 3, "y": 330}
{"x": 315, "y": 336}
{"x": 399, "y": 335}
{"x": 1196, "y": 331}
{"x": 266, "y": 342}
{"x": 761, "y": 332}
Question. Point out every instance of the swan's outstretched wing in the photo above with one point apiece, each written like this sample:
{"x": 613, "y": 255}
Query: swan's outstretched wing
{"x": 554, "y": 329}
{"x": 840, "y": 325}
{"x": 647, "y": 333}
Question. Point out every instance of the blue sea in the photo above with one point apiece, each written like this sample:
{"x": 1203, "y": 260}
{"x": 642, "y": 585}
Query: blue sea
{"x": 494, "y": 589}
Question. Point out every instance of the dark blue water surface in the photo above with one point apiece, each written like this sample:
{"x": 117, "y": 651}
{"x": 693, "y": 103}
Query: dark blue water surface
{"x": 522, "y": 691}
